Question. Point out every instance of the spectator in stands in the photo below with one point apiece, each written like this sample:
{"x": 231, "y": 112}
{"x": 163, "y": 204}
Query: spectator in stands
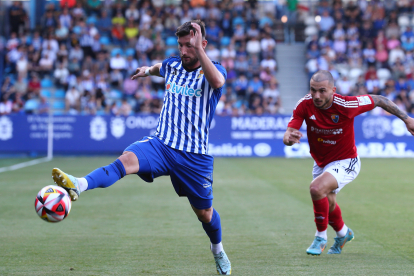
{"x": 226, "y": 24}
{"x": 72, "y": 100}
{"x": 326, "y": 23}
{"x": 61, "y": 75}
{"x": 6, "y": 105}
{"x": 43, "y": 107}
{"x": 118, "y": 62}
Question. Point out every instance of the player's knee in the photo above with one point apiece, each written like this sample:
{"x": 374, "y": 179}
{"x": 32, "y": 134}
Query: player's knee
{"x": 130, "y": 162}
{"x": 204, "y": 215}
{"x": 316, "y": 190}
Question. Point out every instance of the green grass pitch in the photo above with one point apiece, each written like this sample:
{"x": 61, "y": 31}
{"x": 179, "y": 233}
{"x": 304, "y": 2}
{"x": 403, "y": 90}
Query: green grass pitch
{"x": 138, "y": 228}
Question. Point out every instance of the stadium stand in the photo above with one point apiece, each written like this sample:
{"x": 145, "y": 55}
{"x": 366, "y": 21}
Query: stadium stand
{"x": 80, "y": 54}
{"x": 367, "y": 46}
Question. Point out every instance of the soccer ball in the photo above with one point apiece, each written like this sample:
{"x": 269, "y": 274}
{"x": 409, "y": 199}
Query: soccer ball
{"x": 52, "y": 203}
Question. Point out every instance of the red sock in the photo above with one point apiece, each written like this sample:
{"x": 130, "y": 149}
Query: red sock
{"x": 335, "y": 219}
{"x": 321, "y": 210}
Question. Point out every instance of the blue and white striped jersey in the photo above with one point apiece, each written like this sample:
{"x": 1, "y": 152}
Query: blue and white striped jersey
{"x": 189, "y": 106}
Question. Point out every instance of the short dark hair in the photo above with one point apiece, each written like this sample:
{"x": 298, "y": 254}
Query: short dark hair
{"x": 185, "y": 29}
{"x": 323, "y": 75}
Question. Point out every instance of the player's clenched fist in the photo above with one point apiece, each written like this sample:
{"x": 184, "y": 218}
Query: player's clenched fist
{"x": 140, "y": 72}
{"x": 294, "y": 137}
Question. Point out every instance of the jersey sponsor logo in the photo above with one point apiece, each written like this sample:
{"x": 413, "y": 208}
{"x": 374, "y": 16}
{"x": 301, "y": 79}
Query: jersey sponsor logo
{"x": 364, "y": 100}
{"x": 320, "y": 140}
{"x": 327, "y": 131}
{"x": 182, "y": 90}
{"x": 335, "y": 118}
{"x": 312, "y": 117}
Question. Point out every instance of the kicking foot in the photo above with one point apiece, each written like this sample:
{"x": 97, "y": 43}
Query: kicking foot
{"x": 223, "y": 264}
{"x": 336, "y": 248}
{"x": 68, "y": 182}
{"x": 317, "y": 246}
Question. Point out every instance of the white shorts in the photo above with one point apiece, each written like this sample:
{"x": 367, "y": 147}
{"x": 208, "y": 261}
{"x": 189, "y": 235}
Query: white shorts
{"x": 343, "y": 170}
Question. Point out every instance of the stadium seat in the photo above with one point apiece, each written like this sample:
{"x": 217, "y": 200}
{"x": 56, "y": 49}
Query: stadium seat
{"x": 311, "y": 30}
{"x": 104, "y": 40}
{"x": 116, "y": 94}
{"x": 383, "y": 73}
{"x": 58, "y": 104}
{"x": 58, "y": 112}
{"x": 354, "y": 74}
{"x": 130, "y": 52}
{"x": 170, "y": 52}
{"x": 116, "y": 51}
{"x": 225, "y": 41}
{"x": 343, "y": 71}
{"x": 77, "y": 29}
{"x": 46, "y": 83}
{"x": 91, "y": 19}
{"x": 171, "y": 41}
{"x": 45, "y": 93}
{"x": 310, "y": 21}
{"x": 31, "y": 105}
{"x": 403, "y": 21}
{"x": 100, "y": 112}
{"x": 60, "y": 94}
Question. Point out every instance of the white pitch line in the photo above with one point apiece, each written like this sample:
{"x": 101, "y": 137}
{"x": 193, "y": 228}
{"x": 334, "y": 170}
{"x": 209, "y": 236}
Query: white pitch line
{"x": 25, "y": 164}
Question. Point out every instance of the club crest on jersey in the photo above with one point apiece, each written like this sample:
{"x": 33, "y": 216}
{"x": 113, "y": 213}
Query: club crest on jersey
{"x": 335, "y": 118}
{"x": 200, "y": 74}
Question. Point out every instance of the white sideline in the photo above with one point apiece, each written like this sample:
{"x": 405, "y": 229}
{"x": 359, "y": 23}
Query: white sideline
{"x": 25, "y": 164}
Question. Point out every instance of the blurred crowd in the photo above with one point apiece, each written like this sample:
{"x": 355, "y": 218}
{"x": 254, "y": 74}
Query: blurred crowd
{"x": 367, "y": 46}
{"x": 89, "y": 49}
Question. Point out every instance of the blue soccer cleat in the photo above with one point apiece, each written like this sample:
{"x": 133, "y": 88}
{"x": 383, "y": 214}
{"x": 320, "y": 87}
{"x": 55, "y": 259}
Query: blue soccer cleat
{"x": 223, "y": 264}
{"x": 317, "y": 246}
{"x": 68, "y": 182}
{"x": 336, "y": 248}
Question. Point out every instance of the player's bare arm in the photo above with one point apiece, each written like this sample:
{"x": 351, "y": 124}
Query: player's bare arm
{"x": 292, "y": 136}
{"x": 392, "y": 108}
{"x": 213, "y": 76}
{"x": 152, "y": 71}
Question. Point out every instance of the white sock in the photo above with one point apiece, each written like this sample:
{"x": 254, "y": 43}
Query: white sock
{"x": 216, "y": 248}
{"x": 83, "y": 184}
{"x": 323, "y": 234}
{"x": 341, "y": 233}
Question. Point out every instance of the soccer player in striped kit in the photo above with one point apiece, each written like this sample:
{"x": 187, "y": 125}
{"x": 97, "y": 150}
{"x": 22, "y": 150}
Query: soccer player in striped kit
{"x": 330, "y": 128}
{"x": 193, "y": 87}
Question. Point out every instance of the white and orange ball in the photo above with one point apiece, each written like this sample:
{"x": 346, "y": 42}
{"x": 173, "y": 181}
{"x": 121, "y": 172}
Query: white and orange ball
{"x": 53, "y": 203}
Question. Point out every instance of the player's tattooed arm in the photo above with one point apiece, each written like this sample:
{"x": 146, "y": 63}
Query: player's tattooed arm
{"x": 389, "y": 106}
{"x": 392, "y": 108}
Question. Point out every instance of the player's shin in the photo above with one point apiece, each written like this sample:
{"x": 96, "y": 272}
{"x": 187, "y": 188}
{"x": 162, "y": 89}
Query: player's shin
{"x": 213, "y": 231}
{"x": 321, "y": 211}
{"x": 337, "y": 223}
{"x": 105, "y": 176}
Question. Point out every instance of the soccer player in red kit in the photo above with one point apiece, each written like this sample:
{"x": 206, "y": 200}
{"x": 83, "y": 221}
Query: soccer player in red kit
{"x": 330, "y": 128}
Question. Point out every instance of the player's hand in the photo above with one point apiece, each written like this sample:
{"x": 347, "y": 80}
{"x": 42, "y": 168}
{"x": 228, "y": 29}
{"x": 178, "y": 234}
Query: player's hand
{"x": 410, "y": 125}
{"x": 294, "y": 137}
{"x": 139, "y": 73}
{"x": 196, "y": 38}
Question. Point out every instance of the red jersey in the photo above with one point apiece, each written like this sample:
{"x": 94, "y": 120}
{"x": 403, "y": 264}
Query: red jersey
{"x": 331, "y": 131}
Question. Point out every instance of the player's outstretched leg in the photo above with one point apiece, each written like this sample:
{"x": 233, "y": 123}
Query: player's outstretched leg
{"x": 213, "y": 231}
{"x": 321, "y": 211}
{"x": 99, "y": 178}
{"x": 343, "y": 233}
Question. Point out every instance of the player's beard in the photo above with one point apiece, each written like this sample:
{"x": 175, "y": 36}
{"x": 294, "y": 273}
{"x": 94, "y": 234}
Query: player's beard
{"x": 323, "y": 104}
{"x": 189, "y": 63}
